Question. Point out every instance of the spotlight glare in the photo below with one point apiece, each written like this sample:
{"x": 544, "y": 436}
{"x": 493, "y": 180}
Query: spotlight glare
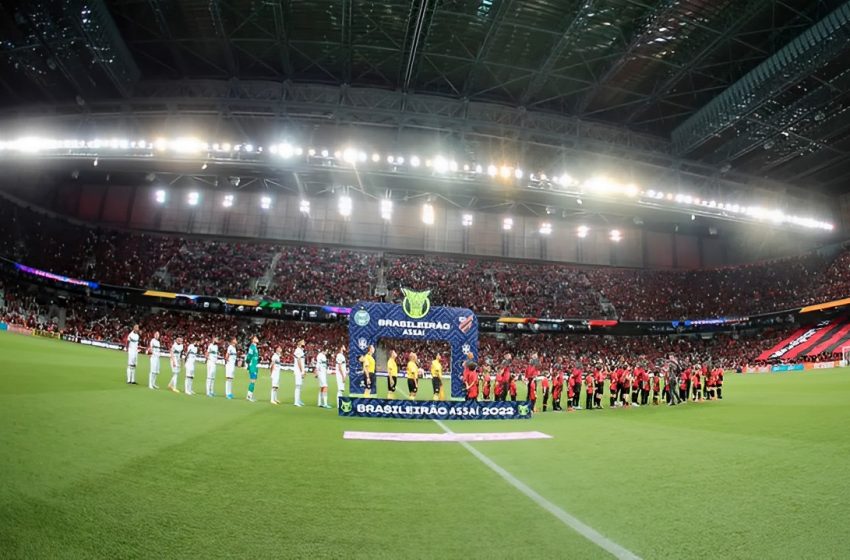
{"x": 466, "y": 220}
{"x": 507, "y": 224}
{"x": 545, "y": 228}
{"x": 492, "y": 170}
{"x": 376, "y": 157}
{"x": 344, "y": 206}
{"x": 227, "y": 202}
{"x": 159, "y": 196}
{"x": 265, "y": 202}
{"x": 192, "y": 198}
{"x": 616, "y": 236}
{"x": 305, "y": 207}
{"x": 582, "y": 231}
{"x": 386, "y": 209}
{"x": 414, "y": 161}
{"x": 428, "y": 214}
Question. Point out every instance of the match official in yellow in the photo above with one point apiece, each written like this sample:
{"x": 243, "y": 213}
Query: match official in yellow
{"x": 392, "y": 374}
{"x": 412, "y": 375}
{"x": 368, "y": 361}
{"x": 437, "y": 378}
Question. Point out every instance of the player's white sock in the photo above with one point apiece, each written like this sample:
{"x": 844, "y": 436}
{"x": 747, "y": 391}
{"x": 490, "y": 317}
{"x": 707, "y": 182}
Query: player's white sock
{"x": 319, "y": 398}
{"x": 274, "y": 394}
{"x": 173, "y": 381}
{"x": 187, "y": 385}
{"x": 151, "y": 380}
{"x": 229, "y": 389}
{"x": 297, "y": 394}
{"x": 210, "y": 384}
{"x": 129, "y": 379}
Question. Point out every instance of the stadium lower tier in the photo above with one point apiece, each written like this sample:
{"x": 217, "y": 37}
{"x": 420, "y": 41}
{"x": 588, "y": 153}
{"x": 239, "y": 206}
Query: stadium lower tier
{"x": 80, "y": 317}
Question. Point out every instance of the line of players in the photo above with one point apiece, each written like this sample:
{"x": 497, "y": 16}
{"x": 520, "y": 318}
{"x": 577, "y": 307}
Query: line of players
{"x": 179, "y": 356}
{"x": 627, "y": 386}
{"x": 635, "y": 386}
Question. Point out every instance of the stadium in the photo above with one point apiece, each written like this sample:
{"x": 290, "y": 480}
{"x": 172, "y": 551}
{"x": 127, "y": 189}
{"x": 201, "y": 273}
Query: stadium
{"x": 299, "y": 279}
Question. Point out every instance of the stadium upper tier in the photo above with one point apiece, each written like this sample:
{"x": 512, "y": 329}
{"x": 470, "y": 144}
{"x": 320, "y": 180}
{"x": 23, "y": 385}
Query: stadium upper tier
{"x": 320, "y": 275}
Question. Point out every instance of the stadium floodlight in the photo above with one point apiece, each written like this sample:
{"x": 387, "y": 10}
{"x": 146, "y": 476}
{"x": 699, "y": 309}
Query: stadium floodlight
{"x": 505, "y": 171}
{"x": 582, "y": 231}
{"x": 325, "y": 153}
{"x": 285, "y": 150}
{"x": 193, "y": 197}
{"x": 466, "y": 220}
{"x": 376, "y": 157}
{"x": 204, "y": 166}
{"x": 265, "y": 202}
{"x": 305, "y": 207}
{"x": 518, "y": 173}
{"x": 507, "y": 224}
{"x": 159, "y": 196}
{"x": 579, "y": 202}
{"x": 299, "y": 150}
{"x": 693, "y": 217}
{"x": 227, "y": 201}
{"x": 616, "y": 236}
{"x": 428, "y": 214}
{"x": 545, "y": 228}
{"x": 399, "y": 160}
{"x": 349, "y": 155}
{"x": 415, "y": 161}
{"x": 492, "y": 170}
{"x": 386, "y": 209}
{"x": 441, "y": 164}
{"x": 311, "y": 152}
{"x": 160, "y": 144}
{"x": 338, "y": 154}
{"x": 344, "y": 206}
{"x": 632, "y": 190}
{"x": 95, "y": 162}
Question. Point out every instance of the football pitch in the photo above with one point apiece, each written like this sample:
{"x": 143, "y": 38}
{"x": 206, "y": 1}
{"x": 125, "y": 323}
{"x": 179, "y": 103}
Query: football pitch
{"x": 94, "y": 468}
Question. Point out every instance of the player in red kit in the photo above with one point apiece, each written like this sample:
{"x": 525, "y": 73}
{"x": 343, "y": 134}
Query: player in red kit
{"x": 512, "y": 387}
{"x": 470, "y": 380}
{"x": 531, "y": 373}
{"x": 486, "y": 387}
{"x": 599, "y": 385}
{"x": 656, "y": 387}
{"x": 590, "y": 390}
{"x": 557, "y": 389}
{"x": 532, "y": 392}
{"x": 613, "y": 388}
{"x": 544, "y": 384}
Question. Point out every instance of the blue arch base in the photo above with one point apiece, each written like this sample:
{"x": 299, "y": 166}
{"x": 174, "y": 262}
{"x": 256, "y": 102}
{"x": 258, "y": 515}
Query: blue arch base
{"x": 371, "y": 321}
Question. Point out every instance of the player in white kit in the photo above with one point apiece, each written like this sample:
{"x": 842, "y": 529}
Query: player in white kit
{"x": 300, "y": 370}
{"x": 132, "y": 354}
{"x": 341, "y": 372}
{"x": 153, "y": 350}
{"x": 212, "y": 356}
{"x": 175, "y": 355}
{"x": 191, "y": 355}
{"x": 230, "y": 368}
{"x": 275, "y": 371}
{"x": 322, "y": 375}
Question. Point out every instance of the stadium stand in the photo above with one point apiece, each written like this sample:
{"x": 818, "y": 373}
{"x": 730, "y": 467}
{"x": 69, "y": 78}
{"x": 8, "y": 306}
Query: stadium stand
{"x": 322, "y": 275}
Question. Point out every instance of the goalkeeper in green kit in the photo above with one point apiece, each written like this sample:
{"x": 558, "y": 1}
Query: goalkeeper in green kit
{"x": 252, "y": 361}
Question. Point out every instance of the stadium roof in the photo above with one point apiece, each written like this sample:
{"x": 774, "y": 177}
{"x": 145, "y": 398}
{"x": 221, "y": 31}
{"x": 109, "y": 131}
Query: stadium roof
{"x": 735, "y": 88}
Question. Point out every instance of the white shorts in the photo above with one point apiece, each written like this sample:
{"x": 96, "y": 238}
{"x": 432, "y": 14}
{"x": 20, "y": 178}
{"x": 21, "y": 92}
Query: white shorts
{"x": 323, "y": 378}
{"x": 190, "y": 370}
{"x": 175, "y": 369}
{"x": 131, "y": 358}
{"x": 229, "y": 370}
{"x": 211, "y": 372}
{"x": 276, "y": 378}
{"x": 155, "y": 365}
{"x": 299, "y": 379}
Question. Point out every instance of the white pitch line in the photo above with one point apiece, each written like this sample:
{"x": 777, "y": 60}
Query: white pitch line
{"x": 570, "y": 521}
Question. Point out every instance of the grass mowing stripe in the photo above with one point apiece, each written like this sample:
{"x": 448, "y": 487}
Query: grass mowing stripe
{"x": 570, "y": 521}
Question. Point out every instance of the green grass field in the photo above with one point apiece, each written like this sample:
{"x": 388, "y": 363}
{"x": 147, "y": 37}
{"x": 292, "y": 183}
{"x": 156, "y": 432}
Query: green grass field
{"x": 93, "y": 468}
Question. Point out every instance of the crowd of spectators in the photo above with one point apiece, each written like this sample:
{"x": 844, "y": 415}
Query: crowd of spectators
{"x": 325, "y": 276}
{"x": 216, "y": 268}
{"x": 321, "y": 275}
{"x": 98, "y": 320}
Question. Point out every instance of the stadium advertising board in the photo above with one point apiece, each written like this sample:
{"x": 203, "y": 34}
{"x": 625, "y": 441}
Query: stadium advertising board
{"x": 18, "y": 329}
{"x": 787, "y": 367}
{"x": 434, "y": 410}
{"x": 4, "y": 326}
{"x": 414, "y": 319}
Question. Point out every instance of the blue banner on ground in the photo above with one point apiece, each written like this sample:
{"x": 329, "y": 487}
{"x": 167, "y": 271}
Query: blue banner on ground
{"x": 787, "y": 367}
{"x": 434, "y": 410}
